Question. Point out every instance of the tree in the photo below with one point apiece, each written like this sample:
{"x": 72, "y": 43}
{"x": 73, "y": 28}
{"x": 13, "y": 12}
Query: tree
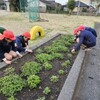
{"x": 97, "y": 8}
{"x": 14, "y": 5}
{"x": 71, "y": 5}
{"x": 97, "y": 5}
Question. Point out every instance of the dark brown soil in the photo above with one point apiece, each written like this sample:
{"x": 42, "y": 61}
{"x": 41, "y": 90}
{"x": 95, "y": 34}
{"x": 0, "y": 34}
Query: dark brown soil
{"x": 33, "y": 94}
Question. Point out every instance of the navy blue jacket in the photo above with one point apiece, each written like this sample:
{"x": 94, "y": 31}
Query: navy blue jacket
{"x": 21, "y": 43}
{"x": 91, "y": 30}
{"x": 85, "y": 36}
{"x": 6, "y": 47}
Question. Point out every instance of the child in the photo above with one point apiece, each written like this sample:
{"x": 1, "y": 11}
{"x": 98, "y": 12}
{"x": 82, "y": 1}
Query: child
{"x": 7, "y": 47}
{"x": 22, "y": 42}
{"x": 83, "y": 37}
{"x": 1, "y": 37}
{"x": 93, "y": 31}
{"x": 2, "y": 30}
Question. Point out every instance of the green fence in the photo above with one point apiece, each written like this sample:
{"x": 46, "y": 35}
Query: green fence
{"x": 30, "y": 8}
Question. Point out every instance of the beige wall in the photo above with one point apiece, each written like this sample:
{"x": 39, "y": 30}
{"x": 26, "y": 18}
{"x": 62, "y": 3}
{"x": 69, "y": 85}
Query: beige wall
{"x": 42, "y": 7}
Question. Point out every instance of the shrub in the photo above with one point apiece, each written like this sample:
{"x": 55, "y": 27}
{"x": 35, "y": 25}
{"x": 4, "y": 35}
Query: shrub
{"x": 47, "y": 66}
{"x": 56, "y": 48}
{"x": 41, "y": 98}
{"x": 66, "y": 63}
{"x": 33, "y": 81}
{"x": 30, "y": 68}
{"x": 39, "y": 51}
{"x": 61, "y": 72}
{"x": 57, "y": 55}
{"x": 11, "y": 98}
{"x": 43, "y": 57}
{"x": 9, "y": 71}
{"x": 46, "y": 90}
{"x": 11, "y": 84}
{"x": 69, "y": 55}
{"x": 54, "y": 79}
{"x": 67, "y": 43}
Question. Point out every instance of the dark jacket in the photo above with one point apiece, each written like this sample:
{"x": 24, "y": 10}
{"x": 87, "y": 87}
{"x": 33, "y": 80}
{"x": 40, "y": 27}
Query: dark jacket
{"x": 91, "y": 30}
{"x": 85, "y": 37}
{"x": 6, "y": 47}
{"x": 21, "y": 43}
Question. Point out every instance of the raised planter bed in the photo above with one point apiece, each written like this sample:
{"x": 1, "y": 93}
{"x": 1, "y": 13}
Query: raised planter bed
{"x": 61, "y": 64}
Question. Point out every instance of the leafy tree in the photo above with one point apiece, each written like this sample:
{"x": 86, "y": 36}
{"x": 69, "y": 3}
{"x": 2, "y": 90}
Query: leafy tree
{"x": 97, "y": 4}
{"x": 71, "y": 5}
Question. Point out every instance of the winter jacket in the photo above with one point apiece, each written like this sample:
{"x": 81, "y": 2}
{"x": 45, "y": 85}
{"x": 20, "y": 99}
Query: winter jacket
{"x": 85, "y": 37}
{"x": 91, "y": 30}
{"x": 6, "y": 47}
{"x": 21, "y": 43}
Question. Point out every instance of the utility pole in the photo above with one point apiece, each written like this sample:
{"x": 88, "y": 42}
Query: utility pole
{"x": 78, "y": 8}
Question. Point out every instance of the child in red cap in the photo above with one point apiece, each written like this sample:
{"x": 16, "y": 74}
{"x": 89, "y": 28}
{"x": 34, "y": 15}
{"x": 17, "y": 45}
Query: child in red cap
{"x": 1, "y": 37}
{"x": 7, "y": 47}
{"x": 22, "y": 42}
{"x": 83, "y": 37}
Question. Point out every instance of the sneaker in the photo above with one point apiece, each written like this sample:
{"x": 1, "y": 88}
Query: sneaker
{"x": 87, "y": 49}
{"x": 83, "y": 47}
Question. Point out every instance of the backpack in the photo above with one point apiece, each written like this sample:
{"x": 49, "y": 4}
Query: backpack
{"x": 92, "y": 31}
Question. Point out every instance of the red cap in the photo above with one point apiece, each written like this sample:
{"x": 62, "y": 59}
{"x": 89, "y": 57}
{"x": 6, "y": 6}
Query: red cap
{"x": 9, "y": 35}
{"x": 1, "y": 37}
{"x": 81, "y": 27}
{"x": 27, "y": 34}
{"x": 76, "y": 31}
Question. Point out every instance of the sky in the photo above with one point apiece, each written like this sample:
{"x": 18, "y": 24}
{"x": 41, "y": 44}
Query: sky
{"x": 61, "y": 1}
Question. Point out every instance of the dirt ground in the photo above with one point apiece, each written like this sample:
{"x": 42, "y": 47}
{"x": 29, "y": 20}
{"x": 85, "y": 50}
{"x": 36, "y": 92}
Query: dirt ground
{"x": 33, "y": 94}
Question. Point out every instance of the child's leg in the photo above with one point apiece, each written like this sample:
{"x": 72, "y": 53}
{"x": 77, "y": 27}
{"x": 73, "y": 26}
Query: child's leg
{"x": 8, "y": 56}
{"x": 13, "y": 54}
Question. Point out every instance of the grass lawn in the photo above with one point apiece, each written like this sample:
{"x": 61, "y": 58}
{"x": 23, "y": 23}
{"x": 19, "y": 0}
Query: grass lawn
{"x": 18, "y": 23}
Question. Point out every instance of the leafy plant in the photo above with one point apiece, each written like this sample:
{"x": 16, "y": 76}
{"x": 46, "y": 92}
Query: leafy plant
{"x": 69, "y": 55}
{"x": 47, "y": 66}
{"x": 47, "y": 90}
{"x": 30, "y": 68}
{"x": 66, "y": 63}
{"x": 11, "y": 98}
{"x": 41, "y": 98}
{"x": 57, "y": 55}
{"x": 43, "y": 57}
{"x": 67, "y": 43}
{"x": 54, "y": 78}
{"x": 33, "y": 81}
{"x": 11, "y": 84}
{"x": 39, "y": 51}
{"x": 56, "y": 48}
{"x": 61, "y": 72}
{"x": 9, "y": 71}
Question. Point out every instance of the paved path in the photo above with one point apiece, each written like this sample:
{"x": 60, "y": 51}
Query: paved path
{"x": 89, "y": 82}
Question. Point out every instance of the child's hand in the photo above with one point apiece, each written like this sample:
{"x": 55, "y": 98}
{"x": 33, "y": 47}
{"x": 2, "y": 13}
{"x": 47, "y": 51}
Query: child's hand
{"x": 73, "y": 51}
